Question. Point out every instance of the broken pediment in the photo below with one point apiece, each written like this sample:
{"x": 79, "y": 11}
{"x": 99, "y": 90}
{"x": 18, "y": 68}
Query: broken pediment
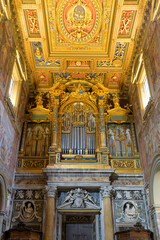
{"x": 78, "y": 200}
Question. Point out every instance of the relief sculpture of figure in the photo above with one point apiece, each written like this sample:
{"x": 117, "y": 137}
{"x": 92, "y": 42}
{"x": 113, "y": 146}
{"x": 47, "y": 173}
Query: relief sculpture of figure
{"x": 27, "y": 211}
{"x": 130, "y": 211}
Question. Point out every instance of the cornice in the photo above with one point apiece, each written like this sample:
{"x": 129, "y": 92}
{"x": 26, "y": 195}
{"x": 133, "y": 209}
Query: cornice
{"x": 19, "y": 41}
{"x": 140, "y": 38}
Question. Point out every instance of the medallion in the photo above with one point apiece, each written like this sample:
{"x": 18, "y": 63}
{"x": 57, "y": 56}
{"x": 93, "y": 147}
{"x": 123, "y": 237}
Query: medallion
{"x": 79, "y": 20}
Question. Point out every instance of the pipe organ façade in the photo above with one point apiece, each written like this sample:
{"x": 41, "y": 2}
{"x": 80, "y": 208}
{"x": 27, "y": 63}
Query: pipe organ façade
{"x": 79, "y": 140}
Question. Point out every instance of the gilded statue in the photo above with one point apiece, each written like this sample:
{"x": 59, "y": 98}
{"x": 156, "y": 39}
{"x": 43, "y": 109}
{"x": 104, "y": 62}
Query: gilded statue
{"x": 116, "y": 100}
{"x": 38, "y": 52}
{"x": 39, "y": 100}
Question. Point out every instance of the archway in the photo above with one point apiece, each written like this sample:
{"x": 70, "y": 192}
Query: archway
{"x": 2, "y": 201}
{"x": 155, "y": 196}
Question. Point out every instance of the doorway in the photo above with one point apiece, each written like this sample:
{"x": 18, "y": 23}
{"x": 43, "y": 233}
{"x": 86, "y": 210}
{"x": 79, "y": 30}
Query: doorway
{"x": 78, "y": 227}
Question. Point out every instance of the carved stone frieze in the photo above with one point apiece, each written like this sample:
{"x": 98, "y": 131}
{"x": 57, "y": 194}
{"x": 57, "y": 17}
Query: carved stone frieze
{"x": 129, "y": 194}
{"x": 28, "y": 194}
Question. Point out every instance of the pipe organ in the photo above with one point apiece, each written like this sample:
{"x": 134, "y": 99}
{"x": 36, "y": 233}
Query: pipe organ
{"x": 77, "y": 127}
{"x": 78, "y": 130}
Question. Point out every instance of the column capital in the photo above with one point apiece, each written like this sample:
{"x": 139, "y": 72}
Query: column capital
{"x": 107, "y": 191}
{"x": 51, "y": 190}
{"x": 2, "y": 213}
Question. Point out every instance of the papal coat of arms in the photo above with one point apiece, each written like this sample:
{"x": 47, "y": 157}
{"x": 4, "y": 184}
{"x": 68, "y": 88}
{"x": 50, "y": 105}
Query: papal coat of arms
{"x": 78, "y": 20}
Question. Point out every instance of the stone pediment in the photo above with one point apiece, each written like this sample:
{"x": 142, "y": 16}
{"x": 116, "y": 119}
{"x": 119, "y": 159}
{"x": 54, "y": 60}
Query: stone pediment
{"x": 78, "y": 199}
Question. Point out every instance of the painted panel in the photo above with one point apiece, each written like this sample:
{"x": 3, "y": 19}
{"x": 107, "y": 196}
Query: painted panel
{"x": 32, "y": 21}
{"x": 7, "y": 140}
{"x": 126, "y": 23}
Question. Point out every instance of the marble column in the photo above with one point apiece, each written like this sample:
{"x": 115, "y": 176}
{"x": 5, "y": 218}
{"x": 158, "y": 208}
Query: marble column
{"x": 108, "y": 215}
{"x": 50, "y": 221}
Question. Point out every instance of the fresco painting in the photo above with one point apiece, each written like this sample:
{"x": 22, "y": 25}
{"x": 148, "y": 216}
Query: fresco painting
{"x": 8, "y": 141}
{"x": 148, "y": 133}
{"x": 152, "y": 49}
{"x": 151, "y": 134}
{"x": 7, "y": 49}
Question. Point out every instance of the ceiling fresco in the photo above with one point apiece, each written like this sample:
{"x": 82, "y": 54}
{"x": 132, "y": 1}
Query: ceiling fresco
{"x": 79, "y": 39}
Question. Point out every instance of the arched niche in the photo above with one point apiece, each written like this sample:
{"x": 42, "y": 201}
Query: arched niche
{"x": 3, "y": 195}
{"x": 155, "y": 182}
{"x": 155, "y": 196}
{"x": 3, "y": 201}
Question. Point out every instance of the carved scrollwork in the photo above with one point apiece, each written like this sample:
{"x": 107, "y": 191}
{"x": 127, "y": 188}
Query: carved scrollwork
{"x": 124, "y": 164}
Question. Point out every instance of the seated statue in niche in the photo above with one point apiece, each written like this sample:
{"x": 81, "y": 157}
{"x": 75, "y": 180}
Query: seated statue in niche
{"x": 130, "y": 212}
{"x": 27, "y": 211}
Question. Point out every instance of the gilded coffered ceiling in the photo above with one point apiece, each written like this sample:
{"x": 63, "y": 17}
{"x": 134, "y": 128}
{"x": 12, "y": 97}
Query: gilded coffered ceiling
{"x": 75, "y": 40}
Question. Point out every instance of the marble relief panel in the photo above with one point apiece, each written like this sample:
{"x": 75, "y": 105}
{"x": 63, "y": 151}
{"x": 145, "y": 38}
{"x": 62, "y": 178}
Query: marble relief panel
{"x": 28, "y": 208}
{"x": 129, "y": 208}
